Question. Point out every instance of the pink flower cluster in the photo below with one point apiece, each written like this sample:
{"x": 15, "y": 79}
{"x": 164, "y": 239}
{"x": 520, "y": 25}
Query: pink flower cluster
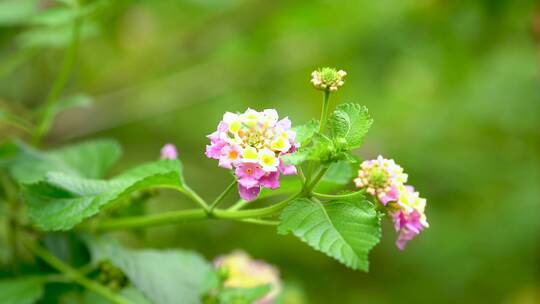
{"x": 385, "y": 180}
{"x": 252, "y": 143}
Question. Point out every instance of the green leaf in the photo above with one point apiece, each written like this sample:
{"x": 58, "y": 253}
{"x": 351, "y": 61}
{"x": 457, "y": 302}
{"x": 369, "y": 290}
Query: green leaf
{"x": 305, "y": 132}
{"x": 320, "y": 149}
{"x": 164, "y": 276}
{"x": 61, "y": 201}
{"x": 65, "y": 15}
{"x": 339, "y": 174}
{"x": 55, "y": 37}
{"x": 343, "y": 230}
{"x": 89, "y": 159}
{"x": 349, "y": 123}
{"x": 130, "y": 293}
{"x": 17, "y": 12}
{"x": 243, "y": 295}
{"x": 25, "y": 290}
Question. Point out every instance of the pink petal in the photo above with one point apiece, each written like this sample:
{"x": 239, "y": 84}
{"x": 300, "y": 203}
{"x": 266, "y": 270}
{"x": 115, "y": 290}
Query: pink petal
{"x": 248, "y": 194}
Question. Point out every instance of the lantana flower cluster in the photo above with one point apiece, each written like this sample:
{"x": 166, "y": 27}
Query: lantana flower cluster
{"x": 385, "y": 180}
{"x": 328, "y": 79}
{"x": 244, "y": 272}
{"x": 252, "y": 143}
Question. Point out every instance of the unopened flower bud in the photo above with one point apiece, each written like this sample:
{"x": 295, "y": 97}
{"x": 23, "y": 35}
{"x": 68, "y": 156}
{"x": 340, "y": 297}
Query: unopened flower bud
{"x": 328, "y": 79}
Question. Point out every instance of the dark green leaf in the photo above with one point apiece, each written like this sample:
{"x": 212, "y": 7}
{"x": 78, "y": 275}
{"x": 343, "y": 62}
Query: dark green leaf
{"x": 61, "y": 201}
{"x": 349, "y": 123}
{"x": 343, "y": 230}
{"x": 24, "y": 290}
{"x": 164, "y": 276}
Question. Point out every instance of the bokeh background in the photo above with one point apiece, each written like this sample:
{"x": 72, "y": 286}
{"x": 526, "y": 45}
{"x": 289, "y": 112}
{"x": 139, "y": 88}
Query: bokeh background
{"x": 453, "y": 87}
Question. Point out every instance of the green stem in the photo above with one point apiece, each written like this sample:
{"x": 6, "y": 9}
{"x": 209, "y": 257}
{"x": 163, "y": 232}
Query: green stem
{"x": 76, "y": 276}
{"x": 316, "y": 179}
{"x": 46, "y": 118}
{"x": 324, "y": 112}
{"x": 260, "y": 212}
{"x": 150, "y": 220}
{"x": 193, "y": 196}
{"x": 260, "y": 222}
{"x": 185, "y": 215}
{"x": 338, "y": 196}
{"x": 220, "y": 198}
{"x": 238, "y": 205}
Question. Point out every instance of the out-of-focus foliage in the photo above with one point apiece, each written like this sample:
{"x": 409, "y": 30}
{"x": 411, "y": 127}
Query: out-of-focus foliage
{"x": 452, "y": 86}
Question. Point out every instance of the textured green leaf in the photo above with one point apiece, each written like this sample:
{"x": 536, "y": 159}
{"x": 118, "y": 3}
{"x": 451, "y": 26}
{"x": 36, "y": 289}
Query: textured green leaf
{"x": 343, "y": 230}
{"x": 305, "y": 132}
{"x": 320, "y": 149}
{"x": 61, "y": 201}
{"x": 87, "y": 159}
{"x": 24, "y": 290}
{"x": 164, "y": 276}
{"x": 350, "y": 122}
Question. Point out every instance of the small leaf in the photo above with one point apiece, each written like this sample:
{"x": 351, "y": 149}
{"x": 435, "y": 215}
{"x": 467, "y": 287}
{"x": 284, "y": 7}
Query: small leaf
{"x": 61, "y": 201}
{"x": 243, "y": 295}
{"x": 130, "y": 293}
{"x": 305, "y": 132}
{"x": 163, "y": 276}
{"x": 320, "y": 149}
{"x": 343, "y": 230}
{"x": 86, "y": 159}
{"x": 350, "y": 123}
{"x": 25, "y": 290}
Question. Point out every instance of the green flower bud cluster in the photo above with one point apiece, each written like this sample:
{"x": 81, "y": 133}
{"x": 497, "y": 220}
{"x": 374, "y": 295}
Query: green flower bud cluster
{"x": 111, "y": 276}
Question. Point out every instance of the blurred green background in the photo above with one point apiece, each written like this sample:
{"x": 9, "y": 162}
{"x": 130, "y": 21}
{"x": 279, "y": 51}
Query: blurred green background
{"x": 453, "y": 87}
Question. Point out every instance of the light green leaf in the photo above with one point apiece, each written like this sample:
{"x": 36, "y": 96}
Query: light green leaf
{"x": 339, "y": 174}
{"x": 25, "y": 290}
{"x": 164, "y": 276}
{"x": 87, "y": 159}
{"x": 65, "y": 15}
{"x": 16, "y": 12}
{"x": 305, "y": 132}
{"x": 130, "y": 293}
{"x": 343, "y": 230}
{"x": 320, "y": 149}
{"x": 349, "y": 123}
{"x": 61, "y": 201}
{"x": 55, "y": 37}
{"x": 243, "y": 295}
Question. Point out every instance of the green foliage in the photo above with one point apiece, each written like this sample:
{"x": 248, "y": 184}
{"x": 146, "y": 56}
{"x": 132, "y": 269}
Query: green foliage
{"x": 243, "y": 295}
{"x": 90, "y": 159}
{"x": 16, "y": 12}
{"x": 24, "y": 290}
{"x": 61, "y": 201}
{"x": 349, "y": 124}
{"x": 305, "y": 132}
{"x": 343, "y": 230}
{"x": 131, "y": 293}
{"x": 320, "y": 149}
{"x": 165, "y": 276}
